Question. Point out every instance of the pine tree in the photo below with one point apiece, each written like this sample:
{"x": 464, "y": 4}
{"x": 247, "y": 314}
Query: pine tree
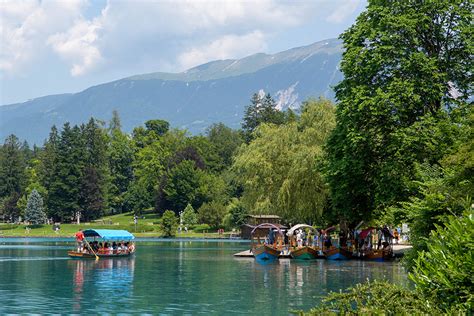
{"x": 63, "y": 191}
{"x": 261, "y": 110}
{"x": 34, "y": 213}
{"x": 94, "y": 175}
{"x": 12, "y": 167}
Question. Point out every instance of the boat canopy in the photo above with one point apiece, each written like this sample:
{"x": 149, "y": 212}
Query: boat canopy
{"x": 269, "y": 226}
{"x": 109, "y": 234}
{"x": 294, "y": 228}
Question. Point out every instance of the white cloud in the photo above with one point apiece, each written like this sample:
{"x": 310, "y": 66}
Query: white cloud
{"x": 25, "y": 26}
{"x": 343, "y": 10}
{"x": 148, "y": 35}
{"x": 78, "y": 45}
{"x": 225, "y": 47}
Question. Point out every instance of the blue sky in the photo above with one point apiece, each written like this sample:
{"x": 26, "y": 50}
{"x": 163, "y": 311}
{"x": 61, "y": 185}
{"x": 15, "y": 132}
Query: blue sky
{"x": 51, "y": 47}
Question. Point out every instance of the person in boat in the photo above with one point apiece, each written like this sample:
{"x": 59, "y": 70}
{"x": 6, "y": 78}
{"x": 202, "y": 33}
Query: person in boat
{"x": 271, "y": 237}
{"x": 80, "y": 240}
{"x": 327, "y": 240}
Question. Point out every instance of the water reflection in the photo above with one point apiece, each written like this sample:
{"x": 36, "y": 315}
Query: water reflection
{"x": 103, "y": 283}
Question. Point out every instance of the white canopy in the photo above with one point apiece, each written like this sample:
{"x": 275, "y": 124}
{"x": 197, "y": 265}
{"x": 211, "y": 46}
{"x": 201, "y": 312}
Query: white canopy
{"x": 292, "y": 229}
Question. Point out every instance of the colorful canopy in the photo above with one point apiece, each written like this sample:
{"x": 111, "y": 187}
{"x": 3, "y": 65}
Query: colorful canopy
{"x": 109, "y": 234}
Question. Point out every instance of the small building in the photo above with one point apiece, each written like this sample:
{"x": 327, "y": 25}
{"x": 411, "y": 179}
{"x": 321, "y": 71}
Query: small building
{"x": 254, "y": 220}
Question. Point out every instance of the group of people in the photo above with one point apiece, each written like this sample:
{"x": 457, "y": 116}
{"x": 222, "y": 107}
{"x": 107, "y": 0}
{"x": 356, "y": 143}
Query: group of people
{"x": 106, "y": 248}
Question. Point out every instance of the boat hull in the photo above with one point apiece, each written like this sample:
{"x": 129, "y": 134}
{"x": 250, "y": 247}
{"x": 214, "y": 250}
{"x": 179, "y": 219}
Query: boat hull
{"x": 265, "y": 253}
{"x": 304, "y": 253}
{"x": 337, "y": 254}
{"x": 378, "y": 255}
{"x": 81, "y": 255}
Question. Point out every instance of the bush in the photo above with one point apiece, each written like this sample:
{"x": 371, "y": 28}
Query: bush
{"x": 375, "y": 298}
{"x": 201, "y": 228}
{"x": 169, "y": 224}
{"x": 444, "y": 272}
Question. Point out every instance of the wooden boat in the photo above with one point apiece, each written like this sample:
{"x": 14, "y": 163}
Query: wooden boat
{"x": 105, "y": 235}
{"x": 305, "y": 252}
{"x": 337, "y": 253}
{"x": 265, "y": 251}
{"x": 379, "y": 255}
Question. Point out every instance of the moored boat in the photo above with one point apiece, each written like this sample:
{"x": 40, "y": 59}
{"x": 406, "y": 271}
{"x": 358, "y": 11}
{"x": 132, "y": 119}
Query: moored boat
{"x": 336, "y": 248}
{"x": 113, "y": 243}
{"x": 271, "y": 247}
{"x": 337, "y": 253}
{"x": 304, "y": 247}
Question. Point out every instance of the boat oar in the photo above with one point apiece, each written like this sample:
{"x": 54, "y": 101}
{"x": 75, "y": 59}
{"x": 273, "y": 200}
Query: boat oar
{"x": 87, "y": 243}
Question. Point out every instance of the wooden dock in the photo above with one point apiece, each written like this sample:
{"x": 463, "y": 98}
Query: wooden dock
{"x": 248, "y": 254}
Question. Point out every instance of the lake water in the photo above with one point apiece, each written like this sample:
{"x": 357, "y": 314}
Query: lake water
{"x": 170, "y": 277}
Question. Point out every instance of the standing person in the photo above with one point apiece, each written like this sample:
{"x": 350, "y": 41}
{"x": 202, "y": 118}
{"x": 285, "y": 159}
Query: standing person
{"x": 79, "y": 240}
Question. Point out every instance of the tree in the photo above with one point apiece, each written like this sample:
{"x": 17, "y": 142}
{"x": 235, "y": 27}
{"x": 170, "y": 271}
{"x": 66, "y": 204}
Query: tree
{"x": 64, "y": 186}
{"x": 115, "y": 124}
{"x": 12, "y": 167}
{"x": 225, "y": 142}
{"x": 95, "y": 172}
{"x": 261, "y": 110}
{"x": 120, "y": 156}
{"x": 159, "y": 127}
{"x": 237, "y": 212}
{"x": 281, "y": 168}
{"x": 169, "y": 224}
{"x": 212, "y": 213}
{"x": 406, "y": 71}
{"x": 34, "y": 213}
{"x": 183, "y": 184}
{"x": 189, "y": 216}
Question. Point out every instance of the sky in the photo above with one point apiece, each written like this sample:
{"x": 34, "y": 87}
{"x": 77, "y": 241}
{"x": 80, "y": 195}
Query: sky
{"x": 51, "y": 47}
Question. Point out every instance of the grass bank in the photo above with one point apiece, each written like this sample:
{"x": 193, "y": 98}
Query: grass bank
{"x": 148, "y": 226}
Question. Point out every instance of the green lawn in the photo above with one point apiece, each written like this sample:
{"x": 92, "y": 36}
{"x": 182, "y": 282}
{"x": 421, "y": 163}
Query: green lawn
{"x": 147, "y": 226}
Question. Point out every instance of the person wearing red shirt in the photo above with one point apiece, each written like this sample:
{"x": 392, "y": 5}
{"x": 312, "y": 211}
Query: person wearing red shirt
{"x": 79, "y": 240}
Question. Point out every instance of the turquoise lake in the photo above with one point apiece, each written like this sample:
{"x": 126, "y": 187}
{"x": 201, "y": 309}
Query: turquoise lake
{"x": 170, "y": 277}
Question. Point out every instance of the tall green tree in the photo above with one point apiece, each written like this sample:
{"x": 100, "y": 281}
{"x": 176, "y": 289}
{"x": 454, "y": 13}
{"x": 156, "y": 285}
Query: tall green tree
{"x": 95, "y": 172}
{"x": 12, "y": 167}
{"x": 407, "y": 70}
{"x": 65, "y": 181}
{"x": 120, "y": 156}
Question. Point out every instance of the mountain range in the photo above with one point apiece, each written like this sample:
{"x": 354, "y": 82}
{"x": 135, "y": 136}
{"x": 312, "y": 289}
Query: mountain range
{"x": 217, "y": 91}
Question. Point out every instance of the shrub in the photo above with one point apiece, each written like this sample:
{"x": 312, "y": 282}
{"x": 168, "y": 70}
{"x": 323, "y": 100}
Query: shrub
{"x": 375, "y": 298}
{"x": 444, "y": 271}
{"x": 200, "y": 228}
{"x": 169, "y": 224}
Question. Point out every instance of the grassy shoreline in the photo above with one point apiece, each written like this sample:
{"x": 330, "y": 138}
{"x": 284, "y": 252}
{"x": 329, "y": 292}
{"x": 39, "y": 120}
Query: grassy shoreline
{"x": 148, "y": 226}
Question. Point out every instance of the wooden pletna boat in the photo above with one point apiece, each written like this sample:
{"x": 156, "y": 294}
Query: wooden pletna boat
{"x": 375, "y": 244}
{"x": 107, "y": 237}
{"x": 306, "y": 249}
{"x": 335, "y": 248}
{"x": 266, "y": 249}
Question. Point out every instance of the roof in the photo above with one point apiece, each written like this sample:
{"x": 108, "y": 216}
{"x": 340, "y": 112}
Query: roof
{"x": 267, "y": 225}
{"x": 109, "y": 234}
{"x": 264, "y": 216}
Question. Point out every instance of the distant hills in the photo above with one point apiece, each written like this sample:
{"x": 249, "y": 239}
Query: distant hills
{"x": 217, "y": 91}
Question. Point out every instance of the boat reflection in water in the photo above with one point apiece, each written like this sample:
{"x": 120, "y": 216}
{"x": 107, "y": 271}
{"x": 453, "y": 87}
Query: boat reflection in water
{"x": 102, "y": 282}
